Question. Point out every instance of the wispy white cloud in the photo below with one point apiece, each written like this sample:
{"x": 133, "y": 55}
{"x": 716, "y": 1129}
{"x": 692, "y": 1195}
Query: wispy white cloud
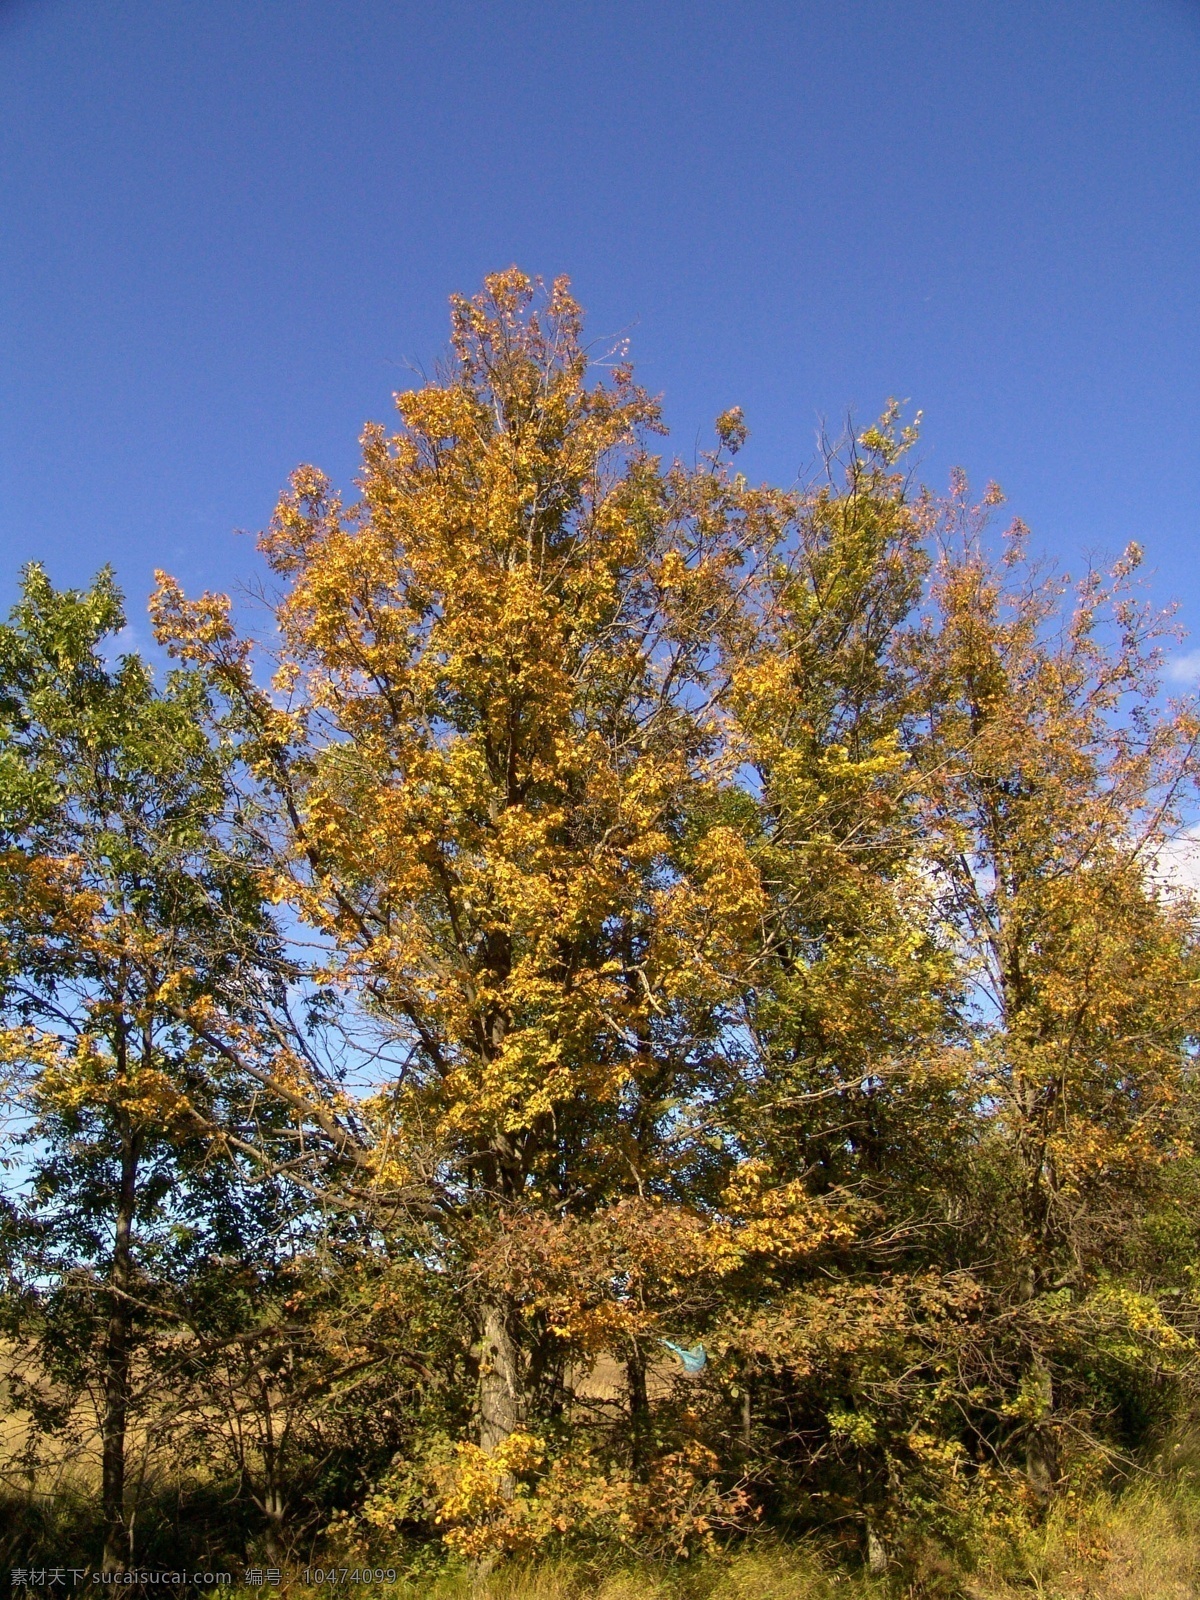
{"x": 117, "y": 645}
{"x": 1184, "y": 668}
{"x": 1177, "y": 861}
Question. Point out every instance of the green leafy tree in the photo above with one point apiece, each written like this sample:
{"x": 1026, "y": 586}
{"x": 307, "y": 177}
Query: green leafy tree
{"x": 126, "y": 906}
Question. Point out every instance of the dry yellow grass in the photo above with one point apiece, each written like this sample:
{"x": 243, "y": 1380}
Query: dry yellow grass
{"x": 766, "y": 1574}
{"x": 1144, "y": 1545}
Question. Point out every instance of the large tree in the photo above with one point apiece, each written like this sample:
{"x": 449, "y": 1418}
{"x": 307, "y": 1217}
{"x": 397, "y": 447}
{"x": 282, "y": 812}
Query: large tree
{"x": 756, "y": 892}
{"x": 128, "y": 911}
{"x": 1053, "y": 780}
{"x": 502, "y": 734}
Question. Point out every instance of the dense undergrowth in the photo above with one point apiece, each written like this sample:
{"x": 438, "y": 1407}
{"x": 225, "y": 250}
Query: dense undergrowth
{"x": 1138, "y": 1541}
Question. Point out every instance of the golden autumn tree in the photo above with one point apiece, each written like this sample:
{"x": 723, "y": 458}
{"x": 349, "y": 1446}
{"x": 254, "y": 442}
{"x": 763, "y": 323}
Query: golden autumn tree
{"x": 1052, "y": 782}
{"x": 502, "y": 727}
{"x": 756, "y": 893}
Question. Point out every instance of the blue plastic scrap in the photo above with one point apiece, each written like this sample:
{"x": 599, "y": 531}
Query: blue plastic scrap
{"x": 693, "y": 1360}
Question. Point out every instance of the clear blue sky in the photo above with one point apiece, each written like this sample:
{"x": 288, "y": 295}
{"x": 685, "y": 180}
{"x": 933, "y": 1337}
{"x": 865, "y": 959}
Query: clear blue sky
{"x": 227, "y": 228}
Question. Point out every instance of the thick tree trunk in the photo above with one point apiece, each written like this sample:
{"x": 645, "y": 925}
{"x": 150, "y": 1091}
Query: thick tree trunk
{"x": 502, "y": 1398}
{"x": 117, "y": 1352}
{"x": 501, "y": 1389}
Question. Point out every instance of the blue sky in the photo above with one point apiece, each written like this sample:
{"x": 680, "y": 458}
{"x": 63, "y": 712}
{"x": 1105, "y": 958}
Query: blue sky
{"x": 227, "y": 230}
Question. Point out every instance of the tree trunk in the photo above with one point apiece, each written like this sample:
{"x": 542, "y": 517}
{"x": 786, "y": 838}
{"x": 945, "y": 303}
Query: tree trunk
{"x": 877, "y": 1555}
{"x": 1041, "y": 1447}
{"x": 501, "y": 1391}
{"x": 272, "y": 1502}
{"x": 1041, "y": 1444}
{"x": 639, "y": 1412}
{"x": 274, "y": 1539}
{"x": 117, "y": 1351}
{"x": 502, "y": 1387}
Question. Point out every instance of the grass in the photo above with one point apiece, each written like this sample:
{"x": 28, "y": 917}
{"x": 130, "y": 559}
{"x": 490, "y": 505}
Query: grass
{"x": 1141, "y": 1544}
{"x": 769, "y": 1573}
